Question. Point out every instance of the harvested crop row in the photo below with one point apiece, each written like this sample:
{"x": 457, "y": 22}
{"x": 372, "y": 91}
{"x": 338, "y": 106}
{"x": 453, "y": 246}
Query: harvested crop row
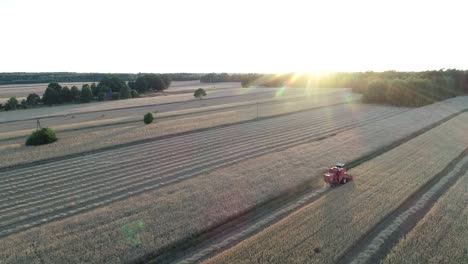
{"x": 442, "y": 235}
{"x": 185, "y": 209}
{"x": 41, "y": 193}
{"x": 107, "y": 137}
{"x": 321, "y": 232}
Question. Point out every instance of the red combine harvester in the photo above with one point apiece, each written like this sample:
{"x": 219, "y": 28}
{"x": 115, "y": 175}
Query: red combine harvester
{"x": 337, "y": 175}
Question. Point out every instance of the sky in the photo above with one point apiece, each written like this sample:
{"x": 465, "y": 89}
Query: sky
{"x": 232, "y": 36}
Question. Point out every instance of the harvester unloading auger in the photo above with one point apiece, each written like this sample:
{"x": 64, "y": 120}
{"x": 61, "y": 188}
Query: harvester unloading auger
{"x": 337, "y": 175}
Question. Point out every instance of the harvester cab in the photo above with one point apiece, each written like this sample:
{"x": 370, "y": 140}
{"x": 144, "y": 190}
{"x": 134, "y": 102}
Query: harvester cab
{"x": 337, "y": 175}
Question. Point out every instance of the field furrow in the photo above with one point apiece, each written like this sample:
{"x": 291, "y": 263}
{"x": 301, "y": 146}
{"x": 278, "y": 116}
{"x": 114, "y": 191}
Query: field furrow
{"x": 324, "y": 230}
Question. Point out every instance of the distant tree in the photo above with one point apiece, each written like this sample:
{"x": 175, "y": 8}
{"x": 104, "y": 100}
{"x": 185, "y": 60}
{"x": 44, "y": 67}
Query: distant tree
{"x": 125, "y": 93}
{"x": 86, "y": 94}
{"x": 76, "y": 94}
{"x": 141, "y": 84}
{"x": 11, "y": 104}
{"x": 101, "y": 96}
{"x": 376, "y": 91}
{"x": 132, "y": 85}
{"x": 155, "y": 82}
{"x": 50, "y": 96}
{"x": 67, "y": 95}
{"x": 24, "y": 105}
{"x": 115, "y": 96}
{"x": 104, "y": 89}
{"x": 41, "y": 136}
{"x": 53, "y": 94}
{"x": 33, "y": 99}
{"x": 114, "y": 83}
{"x": 199, "y": 93}
{"x": 57, "y": 87}
{"x": 94, "y": 89}
{"x": 245, "y": 83}
{"x": 148, "y": 118}
{"x": 1, "y": 106}
{"x": 58, "y": 92}
{"x": 134, "y": 94}
{"x": 166, "y": 80}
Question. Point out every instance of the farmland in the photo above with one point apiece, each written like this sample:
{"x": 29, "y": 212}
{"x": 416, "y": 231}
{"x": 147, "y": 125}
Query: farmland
{"x": 42, "y": 192}
{"x": 173, "y": 195}
{"x": 336, "y": 221}
{"x": 236, "y": 178}
{"x": 92, "y": 135}
{"x": 441, "y": 236}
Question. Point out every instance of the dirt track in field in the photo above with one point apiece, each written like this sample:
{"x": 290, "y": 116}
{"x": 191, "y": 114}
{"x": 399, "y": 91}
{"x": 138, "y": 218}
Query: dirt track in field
{"x": 35, "y": 195}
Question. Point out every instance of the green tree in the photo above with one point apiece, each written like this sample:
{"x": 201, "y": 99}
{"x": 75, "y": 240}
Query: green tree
{"x": 132, "y": 85}
{"x": 33, "y": 99}
{"x": 50, "y": 96}
{"x": 23, "y": 104}
{"x": 141, "y": 84}
{"x": 199, "y": 93}
{"x": 11, "y": 104}
{"x": 376, "y": 91}
{"x": 94, "y": 89}
{"x": 67, "y": 95}
{"x": 114, "y": 83}
{"x": 148, "y": 118}
{"x": 58, "y": 92}
{"x": 86, "y": 94}
{"x": 76, "y": 94}
{"x": 125, "y": 93}
{"x": 41, "y": 136}
{"x": 166, "y": 80}
{"x": 155, "y": 82}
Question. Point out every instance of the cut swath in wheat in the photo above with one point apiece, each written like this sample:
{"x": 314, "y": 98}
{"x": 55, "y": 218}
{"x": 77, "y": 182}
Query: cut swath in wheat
{"x": 442, "y": 235}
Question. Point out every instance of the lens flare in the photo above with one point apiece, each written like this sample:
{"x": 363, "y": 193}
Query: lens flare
{"x": 280, "y": 91}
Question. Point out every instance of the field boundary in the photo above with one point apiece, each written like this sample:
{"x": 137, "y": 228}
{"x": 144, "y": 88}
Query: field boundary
{"x": 142, "y": 141}
{"x": 178, "y": 251}
{"x": 359, "y": 246}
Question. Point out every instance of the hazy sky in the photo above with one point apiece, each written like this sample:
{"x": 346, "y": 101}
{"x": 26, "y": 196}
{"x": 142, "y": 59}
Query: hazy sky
{"x": 232, "y": 36}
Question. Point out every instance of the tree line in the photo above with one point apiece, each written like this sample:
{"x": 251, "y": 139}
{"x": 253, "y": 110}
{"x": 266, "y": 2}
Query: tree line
{"x": 60, "y": 77}
{"x": 109, "y": 88}
{"x": 390, "y": 87}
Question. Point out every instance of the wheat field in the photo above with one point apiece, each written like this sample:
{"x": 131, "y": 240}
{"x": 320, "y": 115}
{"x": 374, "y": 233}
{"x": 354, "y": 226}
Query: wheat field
{"x": 340, "y": 218}
{"x": 172, "y": 213}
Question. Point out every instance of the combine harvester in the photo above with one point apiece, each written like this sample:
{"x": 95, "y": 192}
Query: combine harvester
{"x": 337, "y": 175}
